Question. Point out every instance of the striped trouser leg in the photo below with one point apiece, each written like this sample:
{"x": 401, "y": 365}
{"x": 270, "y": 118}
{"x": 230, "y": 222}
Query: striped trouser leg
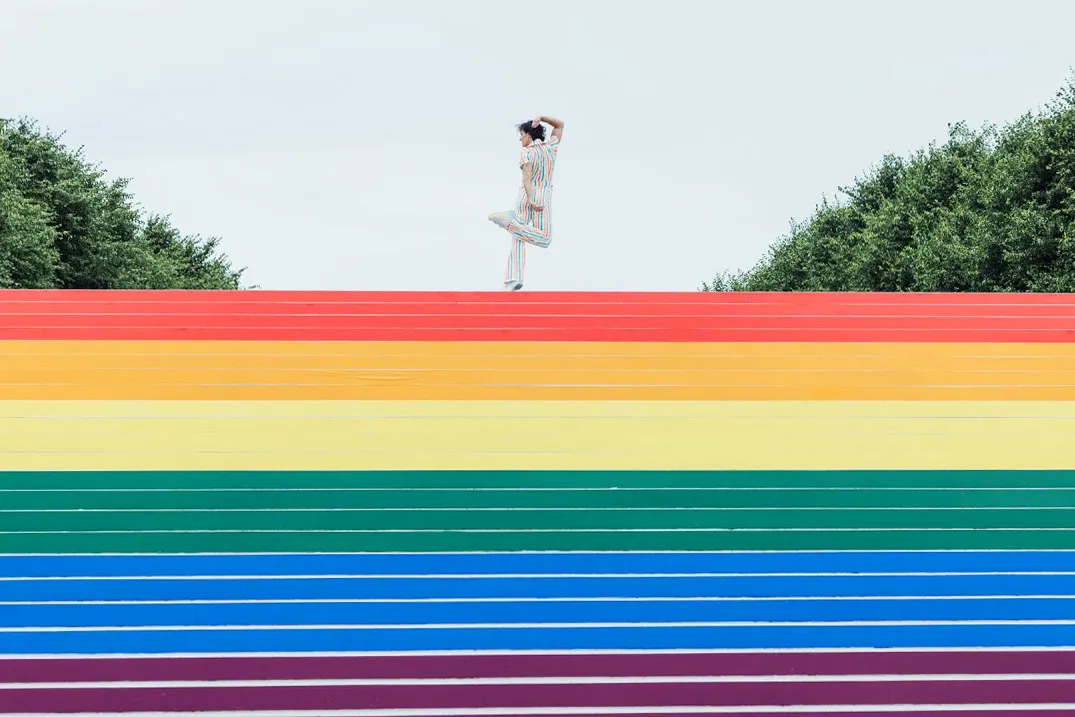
{"x": 516, "y": 262}
{"x": 537, "y": 232}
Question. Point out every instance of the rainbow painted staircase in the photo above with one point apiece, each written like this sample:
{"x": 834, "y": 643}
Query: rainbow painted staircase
{"x": 378, "y": 504}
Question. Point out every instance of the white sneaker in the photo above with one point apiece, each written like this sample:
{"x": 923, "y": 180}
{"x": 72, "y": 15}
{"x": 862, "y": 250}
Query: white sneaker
{"x": 501, "y": 219}
{"x": 513, "y": 286}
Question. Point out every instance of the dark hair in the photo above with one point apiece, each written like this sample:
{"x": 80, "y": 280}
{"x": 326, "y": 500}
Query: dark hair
{"x": 534, "y": 132}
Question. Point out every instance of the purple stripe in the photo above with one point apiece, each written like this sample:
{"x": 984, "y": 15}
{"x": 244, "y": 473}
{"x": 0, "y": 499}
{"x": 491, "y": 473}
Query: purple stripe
{"x": 523, "y": 665}
{"x": 782, "y": 713}
{"x": 192, "y": 699}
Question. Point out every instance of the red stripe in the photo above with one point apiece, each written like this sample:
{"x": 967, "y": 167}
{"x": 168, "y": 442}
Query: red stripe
{"x": 578, "y": 334}
{"x": 527, "y": 665}
{"x": 463, "y": 322}
{"x": 73, "y": 295}
{"x": 633, "y": 308}
{"x": 701, "y": 317}
{"x": 530, "y": 696}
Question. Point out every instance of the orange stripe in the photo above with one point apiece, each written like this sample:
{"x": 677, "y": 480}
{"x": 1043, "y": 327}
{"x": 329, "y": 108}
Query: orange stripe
{"x": 521, "y": 371}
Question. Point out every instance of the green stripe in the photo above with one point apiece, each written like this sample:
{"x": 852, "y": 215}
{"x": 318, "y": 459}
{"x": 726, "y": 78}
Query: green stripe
{"x": 434, "y": 542}
{"x": 591, "y": 498}
{"x": 614, "y": 519}
{"x": 537, "y": 479}
{"x": 474, "y": 510}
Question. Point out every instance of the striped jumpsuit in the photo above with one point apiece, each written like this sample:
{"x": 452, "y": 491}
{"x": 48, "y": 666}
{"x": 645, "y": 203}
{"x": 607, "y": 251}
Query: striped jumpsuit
{"x": 524, "y": 224}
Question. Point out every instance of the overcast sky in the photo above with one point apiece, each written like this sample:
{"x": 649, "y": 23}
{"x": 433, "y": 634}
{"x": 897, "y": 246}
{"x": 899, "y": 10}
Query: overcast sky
{"x": 360, "y": 144}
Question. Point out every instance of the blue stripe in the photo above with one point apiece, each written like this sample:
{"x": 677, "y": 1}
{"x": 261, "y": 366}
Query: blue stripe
{"x": 534, "y": 587}
{"x": 611, "y": 638}
{"x": 486, "y": 563}
{"x": 532, "y": 612}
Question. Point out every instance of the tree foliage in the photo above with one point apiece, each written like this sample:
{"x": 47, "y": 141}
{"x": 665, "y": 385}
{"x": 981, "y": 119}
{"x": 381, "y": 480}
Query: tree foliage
{"x": 64, "y": 226}
{"x": 990, "y": 210}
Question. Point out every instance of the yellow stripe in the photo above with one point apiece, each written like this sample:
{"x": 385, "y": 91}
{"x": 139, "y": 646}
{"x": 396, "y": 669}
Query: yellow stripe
{"x": 38, "y": 435}
{"x": 94, "y": 370}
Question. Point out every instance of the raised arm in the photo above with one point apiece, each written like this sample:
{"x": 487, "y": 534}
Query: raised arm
{"x": 557, "y": 125}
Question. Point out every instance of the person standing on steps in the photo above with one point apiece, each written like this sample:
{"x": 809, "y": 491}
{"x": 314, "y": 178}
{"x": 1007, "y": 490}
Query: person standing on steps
{"x": 531, "y": 220}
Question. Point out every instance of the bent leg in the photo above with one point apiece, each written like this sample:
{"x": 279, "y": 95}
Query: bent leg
{"x": 528, "y": 234}
{"x": 536, "y": 231}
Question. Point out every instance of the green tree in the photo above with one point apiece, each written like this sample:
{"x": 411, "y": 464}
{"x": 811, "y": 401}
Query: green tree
{"x": 64, "y": 226}
{"x": 989, "y": 210}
